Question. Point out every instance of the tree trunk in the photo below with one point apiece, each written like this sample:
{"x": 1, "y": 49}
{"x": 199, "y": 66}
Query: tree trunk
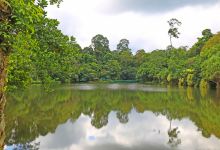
{"x": 3, "y": 73}
{"x": 5, "y": 17}
{"x": 171, "y": 44}
{"x": 2, "y": 123}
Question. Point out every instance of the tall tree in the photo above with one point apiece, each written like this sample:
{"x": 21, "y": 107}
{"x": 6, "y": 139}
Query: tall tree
{"x": 140, "y": 57}
{"x": 123, "y": 45}
{"x": 126, "y": 59}
{"x": 99, "y": 42}
{"x": 173, "y": 30}
{"x": 100, "y": 46}
{"x": 17, "y": 19}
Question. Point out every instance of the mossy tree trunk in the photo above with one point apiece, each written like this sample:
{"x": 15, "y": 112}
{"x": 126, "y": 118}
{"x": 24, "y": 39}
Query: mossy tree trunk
{"x": 5, "y": 20}
{"x": 2, "y": 123}
{"x": 3, "y": 74}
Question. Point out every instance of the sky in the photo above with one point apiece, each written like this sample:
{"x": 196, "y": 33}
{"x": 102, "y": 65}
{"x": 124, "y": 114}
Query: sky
{"x": 142, "y": 22}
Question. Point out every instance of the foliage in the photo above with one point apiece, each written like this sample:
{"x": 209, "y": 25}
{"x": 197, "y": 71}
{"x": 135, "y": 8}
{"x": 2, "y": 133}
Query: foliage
{"x": 155, "y": 66}
{"x": 197, "y": 47}
{"x": 213, "y": 41}
{"x": 140, "y": 57}
{"x": 211, "y": 68}
{"x": 128, "y": 69}
{"x": 173, "y": 30}
{"x": 20, "y": 64}
{"x": 123, "y": 45}
{"x": 39, "y": 52}
{"x": 210, "y": 55}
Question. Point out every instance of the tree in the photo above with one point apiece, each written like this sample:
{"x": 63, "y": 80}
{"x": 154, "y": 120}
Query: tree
{"x": 20, "y": 67}
{"x": 100, "y": 46}
{"x": 207, "y": 33}
{"x": 210, "y": 56}
{"x": 176, "y": 64}
{"x": 57, "y": 56}
{"x": 197, "y": 47}
{"x": 17, "y": 18}
{"x": 126, "y": 60}
{"x": 211, "y": 69}
{"x": 100, "y": 43}
{"x": 173, "y": 30}
{"x": 155, "y": 67}
{"x": 17, "y": 21}
{"x": 123, "y": 45}
{"x": 37, "y": 50}
{"x": 140, "y": 57}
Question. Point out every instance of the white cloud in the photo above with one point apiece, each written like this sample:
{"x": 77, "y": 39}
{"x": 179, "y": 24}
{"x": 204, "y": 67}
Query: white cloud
{"x": 84, "y": 19}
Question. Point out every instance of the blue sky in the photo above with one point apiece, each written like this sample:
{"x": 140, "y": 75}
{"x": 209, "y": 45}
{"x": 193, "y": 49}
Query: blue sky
{"x": 142, "y": 22}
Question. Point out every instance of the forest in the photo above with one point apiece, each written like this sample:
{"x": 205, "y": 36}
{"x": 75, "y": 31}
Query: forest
{"x": 34, "y": 50}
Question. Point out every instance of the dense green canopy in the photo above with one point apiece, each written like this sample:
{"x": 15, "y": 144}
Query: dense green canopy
{"x": 39, "y": 52}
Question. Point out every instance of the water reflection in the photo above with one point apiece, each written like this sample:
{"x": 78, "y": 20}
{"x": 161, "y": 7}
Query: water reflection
{"x": 90, "y": 116}
{"x": 126, "y": 86}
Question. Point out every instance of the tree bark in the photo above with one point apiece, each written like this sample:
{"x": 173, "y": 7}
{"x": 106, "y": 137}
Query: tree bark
{"x": 3, "y": 74}
{"x": 2, "y": 124}
{"x": 5, "y": 17}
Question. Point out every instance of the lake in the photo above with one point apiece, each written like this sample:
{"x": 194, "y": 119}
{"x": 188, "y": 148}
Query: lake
{"x": 112, "y": 117}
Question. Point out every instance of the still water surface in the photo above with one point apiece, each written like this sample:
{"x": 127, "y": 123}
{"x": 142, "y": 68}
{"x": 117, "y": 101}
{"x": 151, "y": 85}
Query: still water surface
{"x": 113, "y": 117}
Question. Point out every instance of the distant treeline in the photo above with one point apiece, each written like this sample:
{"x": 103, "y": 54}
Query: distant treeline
{"x": 40, "y": 52}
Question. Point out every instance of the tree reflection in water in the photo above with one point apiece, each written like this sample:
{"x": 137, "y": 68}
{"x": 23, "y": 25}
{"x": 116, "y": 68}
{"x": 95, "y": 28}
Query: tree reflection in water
{"x": 122, "y": 117}
{"x": 35, "y": 112}
{"x": 26, "y": 146}
{"x": 174, "y": 140}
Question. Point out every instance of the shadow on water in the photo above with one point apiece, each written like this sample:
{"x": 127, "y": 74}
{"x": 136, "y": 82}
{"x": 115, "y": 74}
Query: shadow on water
{"x": 34, "y": 114}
